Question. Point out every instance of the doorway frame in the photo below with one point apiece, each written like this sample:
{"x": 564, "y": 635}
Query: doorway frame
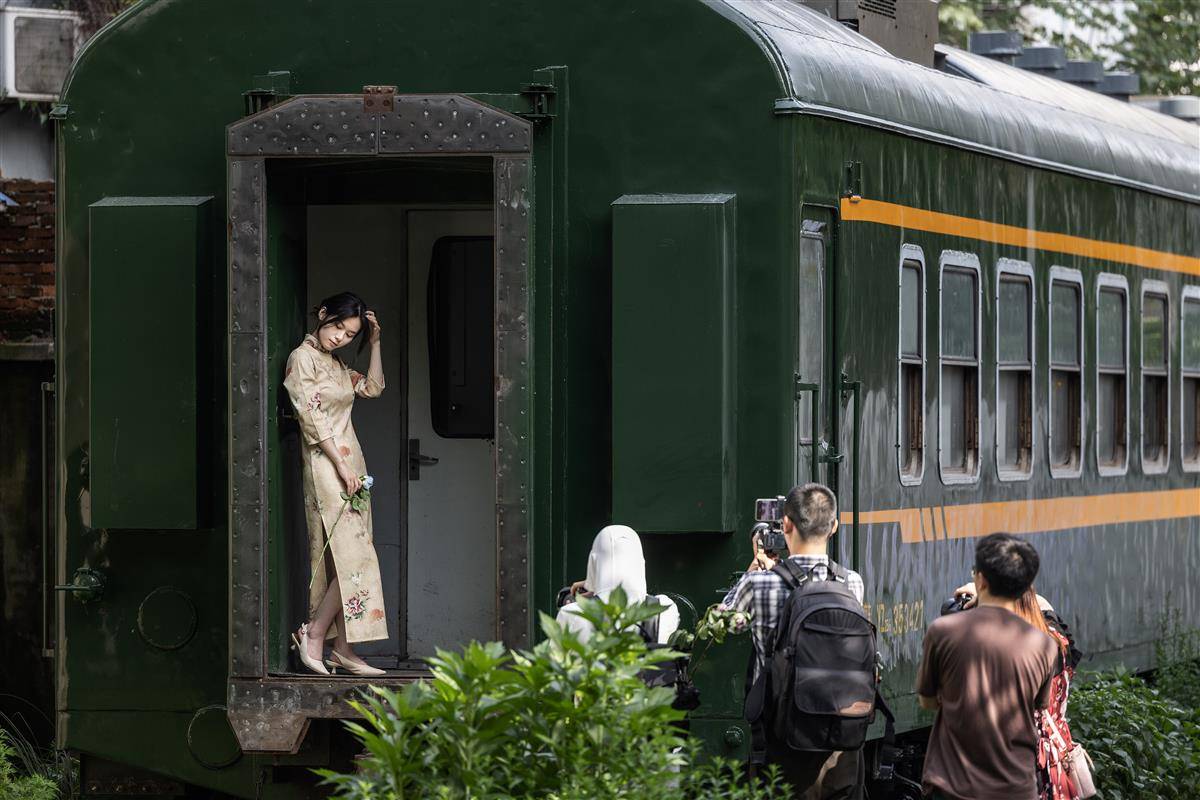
{"x": 272, "y": 713}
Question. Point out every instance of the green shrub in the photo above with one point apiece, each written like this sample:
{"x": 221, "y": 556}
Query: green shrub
{"x": 1178, "y": 656}
{"x": 566, "y": 720}
{"x": 14, "y": 786}
{"x": 1144, "y": 745}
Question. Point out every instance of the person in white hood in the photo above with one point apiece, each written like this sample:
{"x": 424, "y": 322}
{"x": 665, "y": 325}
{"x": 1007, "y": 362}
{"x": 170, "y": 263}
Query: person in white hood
{"x": 616, "y": 560}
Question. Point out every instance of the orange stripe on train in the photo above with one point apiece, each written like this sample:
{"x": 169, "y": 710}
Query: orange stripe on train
{"x": 918, "y": 219}
{"x": 1034, "y": 516}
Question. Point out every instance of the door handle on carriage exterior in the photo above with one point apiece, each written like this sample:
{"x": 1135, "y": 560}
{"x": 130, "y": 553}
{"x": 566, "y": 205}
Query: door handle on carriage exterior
{"x": 416, "y": 460}
{"x": 87, "y": 585}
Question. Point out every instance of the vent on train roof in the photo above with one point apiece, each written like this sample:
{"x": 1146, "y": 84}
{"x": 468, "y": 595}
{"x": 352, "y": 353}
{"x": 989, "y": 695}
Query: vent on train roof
{"x": 907, "y": 29}
{"x": 886, "y": 8}
{"x": 1007, "y": 46}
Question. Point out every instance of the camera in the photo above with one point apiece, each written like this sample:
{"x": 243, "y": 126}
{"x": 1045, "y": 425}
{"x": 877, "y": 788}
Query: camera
{"x": 768, "y": 528}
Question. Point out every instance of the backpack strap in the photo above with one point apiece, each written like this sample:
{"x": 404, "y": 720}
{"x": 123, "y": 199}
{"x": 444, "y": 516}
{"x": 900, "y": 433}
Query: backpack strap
{"x": 838, "y": 572}
{"x": 791, "y": 573}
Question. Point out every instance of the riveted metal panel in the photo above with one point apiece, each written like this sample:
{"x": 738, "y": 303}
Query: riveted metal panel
{"x": 247, "y": 289}
{"x": 247, "y": 523}
{"x": 450, "y": 124}
{"x": 513, "y": 398}
{"x": 271, "y": 716}
{"x": 307, "y": 126}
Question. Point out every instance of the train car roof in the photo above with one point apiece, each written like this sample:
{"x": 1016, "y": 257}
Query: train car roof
{"x": 826, "y": 69}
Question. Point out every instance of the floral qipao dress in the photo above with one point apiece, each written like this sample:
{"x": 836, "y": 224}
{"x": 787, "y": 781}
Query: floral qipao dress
{"x": 322, "y": 390}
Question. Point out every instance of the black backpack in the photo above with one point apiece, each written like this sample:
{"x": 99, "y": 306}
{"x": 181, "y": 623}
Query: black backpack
{"x": 818, "y": 690}
{"x": 671, "y": 674}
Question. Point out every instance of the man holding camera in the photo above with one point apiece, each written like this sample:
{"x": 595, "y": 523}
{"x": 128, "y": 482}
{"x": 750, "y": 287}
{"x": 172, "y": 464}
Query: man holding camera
{"x": 809, "y": 518}
{"x": 985, "y": 670}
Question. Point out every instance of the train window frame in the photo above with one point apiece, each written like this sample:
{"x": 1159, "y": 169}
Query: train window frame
{"x": 811, "y": 230}
{"x": 911, "y": 255}
{"x": 1110, "y": 281}
{"x": 956, "y": 261}
{"x": 1019, "y": 271}
{"x": 1072, "y": 277}
{"x": 1155, "y": 288}
{"x": 1189, "y": 293}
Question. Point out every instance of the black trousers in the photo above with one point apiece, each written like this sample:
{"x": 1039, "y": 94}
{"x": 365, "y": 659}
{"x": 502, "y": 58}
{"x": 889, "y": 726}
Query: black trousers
{"x": 838, "y": 775}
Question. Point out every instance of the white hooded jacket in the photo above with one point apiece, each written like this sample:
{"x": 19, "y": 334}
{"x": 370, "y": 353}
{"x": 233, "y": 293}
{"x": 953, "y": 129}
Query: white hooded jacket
{"x": 616, "y": 560}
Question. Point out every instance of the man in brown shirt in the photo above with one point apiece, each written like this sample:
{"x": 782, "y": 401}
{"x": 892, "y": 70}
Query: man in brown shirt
{"x": 985, "y": 670}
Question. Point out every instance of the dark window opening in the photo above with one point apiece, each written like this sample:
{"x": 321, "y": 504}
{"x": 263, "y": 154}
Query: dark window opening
{"x": 1066, "y": 396}
{"x": 1155, "y": 379}
{"x": 959, "y": 424}
{"x": 1014, "y": 377}
{"x": 1111, "y": 380}
{"x": 462, "y": 337}
{"x": 911, "y": 447}
{"x": 1189, "y": 345}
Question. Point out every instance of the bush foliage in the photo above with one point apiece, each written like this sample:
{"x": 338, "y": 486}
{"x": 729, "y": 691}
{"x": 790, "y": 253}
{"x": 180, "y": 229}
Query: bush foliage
{"x": 565, "y": 720}
{"x": 17, "y": 786}
{"x": 1145, "y": 745}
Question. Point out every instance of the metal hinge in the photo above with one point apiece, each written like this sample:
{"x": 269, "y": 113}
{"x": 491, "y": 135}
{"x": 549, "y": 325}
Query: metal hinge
{"x": 269, "y": 88}
{"x": 379, "y": 99}
{"x": 541, "y": 99}
{"x": 853, "y": 181}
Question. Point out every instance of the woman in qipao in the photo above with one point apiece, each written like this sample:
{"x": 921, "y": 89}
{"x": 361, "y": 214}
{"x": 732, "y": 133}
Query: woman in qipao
{"x": 345, "y": 600}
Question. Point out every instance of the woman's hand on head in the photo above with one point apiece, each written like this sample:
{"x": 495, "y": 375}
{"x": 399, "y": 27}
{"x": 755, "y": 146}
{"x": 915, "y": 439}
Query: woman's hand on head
{"x": 375, "y": 334}
{"x": 349, "y": 479}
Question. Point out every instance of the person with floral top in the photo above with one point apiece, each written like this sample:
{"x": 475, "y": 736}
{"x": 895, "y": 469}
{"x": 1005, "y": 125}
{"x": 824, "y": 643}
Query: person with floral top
{"x": 345, "y": 592}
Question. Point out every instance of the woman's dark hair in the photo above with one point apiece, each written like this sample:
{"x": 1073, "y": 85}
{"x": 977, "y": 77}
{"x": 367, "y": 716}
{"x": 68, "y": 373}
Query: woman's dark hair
{"x": 1009, "y": 564}
{"x": 345, "y": 305}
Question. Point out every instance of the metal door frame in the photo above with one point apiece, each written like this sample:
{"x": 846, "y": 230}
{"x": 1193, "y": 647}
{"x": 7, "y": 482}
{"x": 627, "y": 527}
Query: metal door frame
{"x": 272, "y": 714}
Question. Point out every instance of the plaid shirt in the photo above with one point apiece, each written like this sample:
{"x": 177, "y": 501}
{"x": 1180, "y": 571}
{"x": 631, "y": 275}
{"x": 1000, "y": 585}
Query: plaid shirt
{"x": 761, "y": 594}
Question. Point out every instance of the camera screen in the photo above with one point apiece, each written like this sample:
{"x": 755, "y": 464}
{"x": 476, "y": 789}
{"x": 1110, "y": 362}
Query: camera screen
{"x": 768, "y": 509}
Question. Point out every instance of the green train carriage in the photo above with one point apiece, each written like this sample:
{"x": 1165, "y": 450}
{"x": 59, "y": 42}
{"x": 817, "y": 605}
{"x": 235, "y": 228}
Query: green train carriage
{"x": 690, "y": 213}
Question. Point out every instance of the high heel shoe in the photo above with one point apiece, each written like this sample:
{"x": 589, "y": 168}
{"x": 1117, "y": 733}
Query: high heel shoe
{"x": 335, "y": 660}
{"x": 300, "y": 645}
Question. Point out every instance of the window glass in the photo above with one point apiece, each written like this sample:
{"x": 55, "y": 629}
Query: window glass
{"x": 1191, "y": 334}
{"x": 1064, "y": 317}
{"x": 1110, "y": 417}
{"x": 1154, "y": 316}
{"x": 958, "y": 314}
{"x": 1111, "y": 328}
{"x": 1014, "y": 321}
{"x": 1191, "y": 411}
{"x": 1012, "y": 409}
{"x": 953, "y": 417}
{"x": 810, "y": 338}
{"x": 1064, "y": 409}
{"x": 910, "y": 310}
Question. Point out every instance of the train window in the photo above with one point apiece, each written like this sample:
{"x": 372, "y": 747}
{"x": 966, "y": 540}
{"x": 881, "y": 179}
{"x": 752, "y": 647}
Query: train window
{"x": 958, "y": 423}
{"x": 810, "y": 331}
{"x": 1189, "y": 357}
{"x": 1014, "y": 370}
{"x": 910, "y": 412}
{"x": 1156, "y": 348}
{"x": 1066, "y": 372}
{"x": 1112, "y": 385}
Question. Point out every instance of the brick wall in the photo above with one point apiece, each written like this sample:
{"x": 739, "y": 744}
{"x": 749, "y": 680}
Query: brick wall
{"x": 27, "y": 262}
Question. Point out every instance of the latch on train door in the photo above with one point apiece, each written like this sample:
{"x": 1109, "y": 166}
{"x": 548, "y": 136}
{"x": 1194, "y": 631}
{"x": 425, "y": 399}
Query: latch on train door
{"x": 417, "y": 459}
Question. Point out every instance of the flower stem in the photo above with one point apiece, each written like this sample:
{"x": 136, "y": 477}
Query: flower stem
{"x": 328, "y": 540}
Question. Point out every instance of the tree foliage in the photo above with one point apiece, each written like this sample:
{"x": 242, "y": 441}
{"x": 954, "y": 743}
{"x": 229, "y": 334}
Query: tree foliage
{"x": 1157, "y": 39}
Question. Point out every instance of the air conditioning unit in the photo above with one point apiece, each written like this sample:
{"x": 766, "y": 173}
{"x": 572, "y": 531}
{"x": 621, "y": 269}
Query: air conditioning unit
{"x": 37, "y": 47}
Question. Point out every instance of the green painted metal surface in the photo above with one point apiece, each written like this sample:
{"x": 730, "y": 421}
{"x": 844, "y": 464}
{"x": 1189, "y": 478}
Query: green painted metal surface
{"x": 667, "y": 114}
{"x": 674, "y": 421}
{"x": 146, "y": 259}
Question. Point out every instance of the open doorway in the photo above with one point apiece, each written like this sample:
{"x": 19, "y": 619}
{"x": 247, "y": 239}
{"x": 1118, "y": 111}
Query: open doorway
{"x": 414, "y": 238}
{"x": 426, "y": 270}
{"x": 352, "y": 199}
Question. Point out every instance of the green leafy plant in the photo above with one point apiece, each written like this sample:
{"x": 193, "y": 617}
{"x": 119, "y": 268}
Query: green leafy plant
{"x": 14, "y": 785}
{"x": 566, "y": 720}
{"x": 1178, "y": 656}
{"x": 1144, "y": 745}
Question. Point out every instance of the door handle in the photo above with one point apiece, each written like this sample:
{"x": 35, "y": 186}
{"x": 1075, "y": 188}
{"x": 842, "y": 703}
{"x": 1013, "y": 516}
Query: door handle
{"x": 87, "y": 585}
{"x": 48, "y": 557}
{"x": 417, "y": 459}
